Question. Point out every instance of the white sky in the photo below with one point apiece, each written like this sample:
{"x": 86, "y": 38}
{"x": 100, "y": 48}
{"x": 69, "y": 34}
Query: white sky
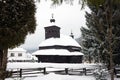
{"x": 68, "y": 17}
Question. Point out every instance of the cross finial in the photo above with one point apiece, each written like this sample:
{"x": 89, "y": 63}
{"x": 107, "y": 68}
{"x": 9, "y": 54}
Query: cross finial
{"x": 52, "y": 20}
{"x": 52, "y": 15}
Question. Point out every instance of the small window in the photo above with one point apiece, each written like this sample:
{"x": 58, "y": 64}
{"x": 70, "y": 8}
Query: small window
{"x": 12, "y": 54}
{"x": 19, "y": 54}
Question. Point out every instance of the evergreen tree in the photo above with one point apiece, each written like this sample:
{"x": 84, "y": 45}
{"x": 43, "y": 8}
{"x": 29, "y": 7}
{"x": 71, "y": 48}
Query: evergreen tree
{"x": 95, "y": 35}
{"x": 17, "y": 19}
{"x": 103, "y": 21}
{"x": 98, "y": 25}
{"x": 90, "y": 46}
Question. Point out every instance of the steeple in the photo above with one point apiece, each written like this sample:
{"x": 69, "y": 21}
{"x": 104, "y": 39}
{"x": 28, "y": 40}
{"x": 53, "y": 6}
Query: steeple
{"x": 53, "y": 30}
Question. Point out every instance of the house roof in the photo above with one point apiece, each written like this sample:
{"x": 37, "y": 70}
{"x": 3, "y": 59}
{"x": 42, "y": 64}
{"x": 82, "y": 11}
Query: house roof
{"x": 17, "y": 49}
{"x": 62, "y": 52}
{"x": 62, "y": 41}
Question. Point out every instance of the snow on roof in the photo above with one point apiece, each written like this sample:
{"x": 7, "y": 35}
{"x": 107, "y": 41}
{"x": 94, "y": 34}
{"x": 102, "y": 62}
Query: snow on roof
{"x": 63, "y": 40}
{"x": 17, "y": 49}
{"x": 62, "y": 52}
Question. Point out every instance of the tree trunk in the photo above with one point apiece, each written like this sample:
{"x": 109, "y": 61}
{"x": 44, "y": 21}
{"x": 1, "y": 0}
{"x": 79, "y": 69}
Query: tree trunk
{"x": 111, "y": 54}
{"x": 1, "y": 55}
{"x": 89, "y": 58}
{"x": 110, "y": 40}
{"x": 4, "y": 60}
{"x": 3, "y": 64}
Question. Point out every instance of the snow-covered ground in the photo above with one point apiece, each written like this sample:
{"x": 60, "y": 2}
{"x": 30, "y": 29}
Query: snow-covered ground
{"x": 55, "y": 66}
{"x": 53, "y": 76}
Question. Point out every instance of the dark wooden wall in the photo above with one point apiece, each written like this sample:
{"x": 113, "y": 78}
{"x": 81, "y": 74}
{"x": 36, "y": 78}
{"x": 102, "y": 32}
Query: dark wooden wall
{"x": 59, "y": 59}
{"x": 69, "y": 48}
{"x": 52, "y": 31}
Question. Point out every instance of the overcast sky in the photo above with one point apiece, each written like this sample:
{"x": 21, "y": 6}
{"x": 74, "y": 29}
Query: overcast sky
{"x": 67, "y": 18}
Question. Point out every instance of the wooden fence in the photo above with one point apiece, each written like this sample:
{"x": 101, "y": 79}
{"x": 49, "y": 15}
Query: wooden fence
{"x": 30, "y": 71}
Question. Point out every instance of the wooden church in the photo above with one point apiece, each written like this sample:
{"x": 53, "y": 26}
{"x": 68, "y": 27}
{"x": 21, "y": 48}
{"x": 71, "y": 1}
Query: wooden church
{"x": 58, "y": 48}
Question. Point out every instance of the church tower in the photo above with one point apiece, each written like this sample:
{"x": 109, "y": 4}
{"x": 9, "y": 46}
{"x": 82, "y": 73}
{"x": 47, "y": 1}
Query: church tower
{"x": 52, "y": 31}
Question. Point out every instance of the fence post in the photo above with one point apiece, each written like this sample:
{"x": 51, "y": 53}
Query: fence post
{"x": 20, "y": 73}
{"x": 66, "y": 70}
{"x": 44, "y": 70}
{"x": 84, "y": 70}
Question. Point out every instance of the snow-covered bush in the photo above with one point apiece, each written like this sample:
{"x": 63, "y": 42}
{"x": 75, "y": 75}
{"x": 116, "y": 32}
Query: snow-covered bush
{"x": 100, "y": 73}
